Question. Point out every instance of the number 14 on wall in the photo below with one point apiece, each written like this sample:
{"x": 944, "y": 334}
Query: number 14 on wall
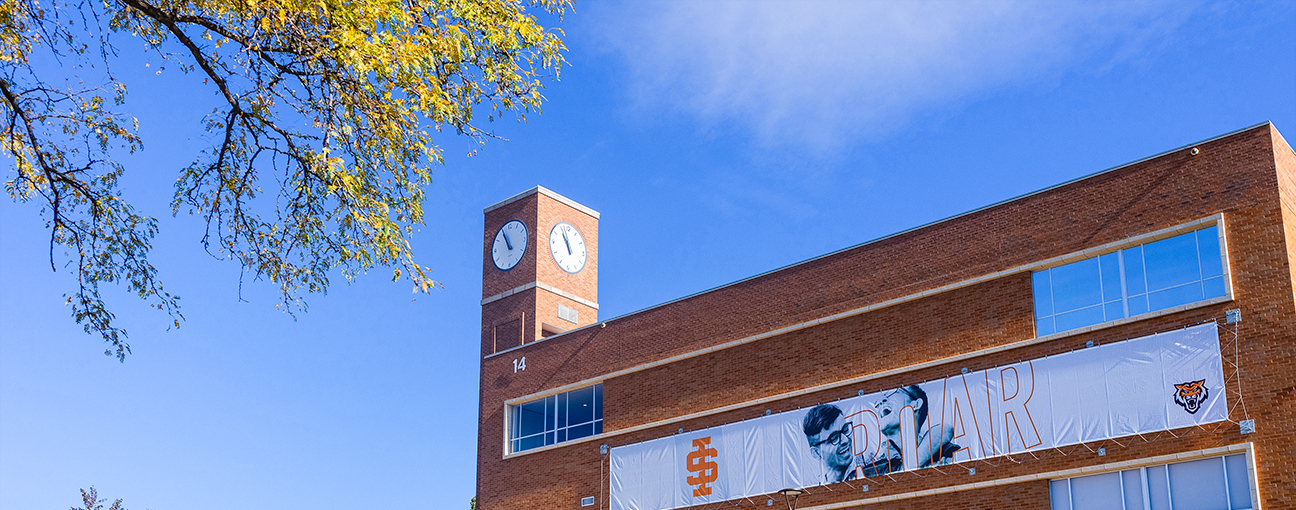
{"x": 519, "y": 365}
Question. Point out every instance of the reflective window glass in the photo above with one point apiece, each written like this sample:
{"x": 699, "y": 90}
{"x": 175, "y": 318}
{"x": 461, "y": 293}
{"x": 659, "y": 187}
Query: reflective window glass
{"x": 1171, "y": 262}
{"x": 1138, "y": 305}
{"x": 1208, "y": 246}
{"x": 562, "y": 410}
{"x": 1163, "y": 274}
{"x": 598, "y": 405}
{"x": 1079, "y": 318}
{"x": 1109, "y": 265}
{"x": 1198, "y": 485}
{"x": 1114, "y": 310}
{"x": 1132, "y": 261}
{"x": 1076, "y": 285}
{"x": 554, "y": 419}
{"x": 1213, "y": 287}
{"x": 1060, "y": 494}
{"x": 1175, "y": 296}
{"x": 1043, "y": 294}
{"x": 1132, "y": 484}
{"x": 580, "y": 431}
{"x": 1044, "y": 326}
{"x": 1238, "y": 481}
{"x": 1158, "y": 488}
{"x": 531, "y": 418}
{"x": 1205, "y": 484}
{"x": 581, "y": 408}
{"x": 1096, "y": 492}
{"x": 530, "y": 442}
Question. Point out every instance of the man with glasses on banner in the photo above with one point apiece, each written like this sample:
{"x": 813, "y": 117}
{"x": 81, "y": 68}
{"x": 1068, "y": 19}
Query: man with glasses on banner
{"x": 829, "y": 435}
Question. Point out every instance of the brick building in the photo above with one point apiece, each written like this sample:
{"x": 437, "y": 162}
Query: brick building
{"x": 562, "y": 390}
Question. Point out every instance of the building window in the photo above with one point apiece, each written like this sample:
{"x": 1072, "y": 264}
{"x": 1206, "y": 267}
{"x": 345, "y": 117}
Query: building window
{"x": 556, "y": 418}
{"x": 1154, "y": 276}
{"x": 1219, "y": 483}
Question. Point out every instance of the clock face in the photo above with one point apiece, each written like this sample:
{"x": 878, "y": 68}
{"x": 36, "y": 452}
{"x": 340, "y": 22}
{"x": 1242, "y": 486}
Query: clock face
{"x": 568, "y": 247}
{"x": 510, "y": 244}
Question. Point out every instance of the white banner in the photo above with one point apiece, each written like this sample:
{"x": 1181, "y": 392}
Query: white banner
{"x": 1148, "y": 384}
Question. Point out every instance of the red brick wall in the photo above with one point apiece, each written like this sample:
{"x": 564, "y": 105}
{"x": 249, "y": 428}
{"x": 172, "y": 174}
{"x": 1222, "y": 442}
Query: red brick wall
{"x": 495, "y": 281}
{"x": 1235, "y": 175}
{"x": 1285, "y": 161}
{"x": 585, "y": 282}
{"x": 540, "y": 213}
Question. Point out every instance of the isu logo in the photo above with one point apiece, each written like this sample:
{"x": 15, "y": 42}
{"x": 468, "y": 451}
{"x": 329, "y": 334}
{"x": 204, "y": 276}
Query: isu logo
{"x": 1190, "y": 395}
{"x": 704, "y": 470}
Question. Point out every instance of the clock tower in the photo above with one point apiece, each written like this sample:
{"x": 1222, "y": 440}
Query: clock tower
{"x": 539, "y": 269}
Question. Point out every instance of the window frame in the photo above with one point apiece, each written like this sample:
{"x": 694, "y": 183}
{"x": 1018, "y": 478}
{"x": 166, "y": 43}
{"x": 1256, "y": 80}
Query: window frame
{"x": 512, "y": 406}
{"x": 1216, "y": 220}
{"x": 1143, "y": 468}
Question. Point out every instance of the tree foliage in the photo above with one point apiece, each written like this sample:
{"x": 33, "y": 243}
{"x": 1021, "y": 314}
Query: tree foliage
{"x": 90, "y": 498}
{"x": 324, "y": 119}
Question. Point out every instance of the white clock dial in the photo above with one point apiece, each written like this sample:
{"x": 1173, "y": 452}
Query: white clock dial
{"x": 510, "y": 244}
{"x": 568, "y": 247}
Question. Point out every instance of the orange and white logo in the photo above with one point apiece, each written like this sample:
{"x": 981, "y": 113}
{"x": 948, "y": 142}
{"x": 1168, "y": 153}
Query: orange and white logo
{"x": 1191, "y": 395}
{"x": 704, "y": 470}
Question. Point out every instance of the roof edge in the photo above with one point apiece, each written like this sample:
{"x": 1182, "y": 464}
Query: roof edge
{"x": 546, "y": 192}
{"x": 942, "y": 220}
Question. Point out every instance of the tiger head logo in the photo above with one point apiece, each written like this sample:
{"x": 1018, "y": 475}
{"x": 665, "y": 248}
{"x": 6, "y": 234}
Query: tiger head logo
{"x": 1191, "y": 395}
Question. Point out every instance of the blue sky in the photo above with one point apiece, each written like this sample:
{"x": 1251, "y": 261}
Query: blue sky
{"x": 718, "y": 140}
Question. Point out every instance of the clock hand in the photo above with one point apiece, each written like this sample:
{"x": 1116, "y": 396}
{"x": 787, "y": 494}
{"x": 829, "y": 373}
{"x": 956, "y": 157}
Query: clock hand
{"x": 507, "y": 241}
{"x": 569, "y": 252}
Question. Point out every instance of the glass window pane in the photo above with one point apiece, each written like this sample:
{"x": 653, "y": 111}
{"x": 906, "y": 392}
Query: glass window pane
{"x": 546, "y": 421}
{"x": 580, "y": 405}
{"x": 1076, "y": 285}
{"x": 1059, "y": 495}
{"x": 1239, "y": 481}
{"x": 1043, "y": 296}
{"x": 598, "y": 401}
{"x": 1133, "y": 485}
{"x": 1115, "y": 310}
{"x": 1079, "y": 318}
{"x": 1180, "y": 295}
{"x": 580, "y": 431}
{"x": 1158, "y": 491}
{"x": 1171, "y": 262}
{"x": 1198, "y": 485}
{"x": 1209, "y": 247}
{"x": 1134, "y": 280}
{"x": 1138, "y": 305}
{"x": 1097, "y": 492}
{"x": 1109, "y": 265}
{"x": 530, "y": 442}
{"x": 1044, "y": 327}
{"x": 562, "y": 411}
{"x": 531, "y": 418}
{"x": 1213, "y": 287}
{"x": 551, "y": 407}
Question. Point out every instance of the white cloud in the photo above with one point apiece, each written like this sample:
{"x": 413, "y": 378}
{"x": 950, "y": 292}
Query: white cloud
{"x": 820, "y": 73}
